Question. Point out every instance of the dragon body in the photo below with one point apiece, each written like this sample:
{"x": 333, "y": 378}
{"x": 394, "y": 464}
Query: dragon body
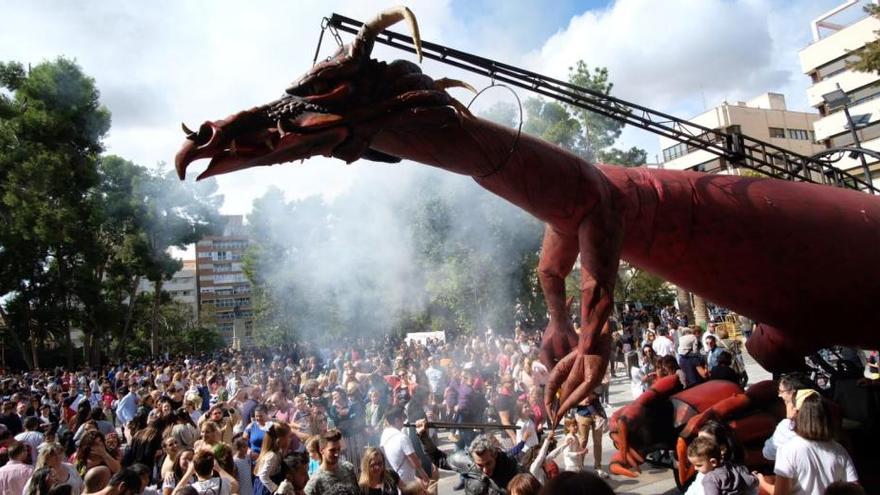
{"x": 799, "y": 258}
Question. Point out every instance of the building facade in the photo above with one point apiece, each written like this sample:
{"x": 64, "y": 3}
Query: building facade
{"x": 182, "y": 287}
{"x": 837, "y": 35}
{"x": 765, "y": 118}
{"x": 224, "y": 290}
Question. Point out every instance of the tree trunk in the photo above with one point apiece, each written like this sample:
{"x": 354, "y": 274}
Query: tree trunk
{"x": 154, "y": 326}
{"x": 7, "y": 323}
{"x": 701, "y": 312}
{"x": 132, "y": 297}
{"x": 684, "y": 303}
{"x": 68, "y": 344}
{"x": 35, "y": 354}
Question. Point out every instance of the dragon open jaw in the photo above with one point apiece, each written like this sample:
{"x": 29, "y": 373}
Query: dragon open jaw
{"x": 252, "y": 138}
{"x": 321, "y": 113}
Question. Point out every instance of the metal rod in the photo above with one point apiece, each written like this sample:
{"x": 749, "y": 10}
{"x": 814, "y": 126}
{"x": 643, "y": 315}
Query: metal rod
{"x": 465, "y": 426}
{"x": 714, "y": 141}
{"x": 858, "y": 144}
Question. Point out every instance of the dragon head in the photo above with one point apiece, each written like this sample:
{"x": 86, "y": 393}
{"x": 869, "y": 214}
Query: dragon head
{"x": 334, "y": 110}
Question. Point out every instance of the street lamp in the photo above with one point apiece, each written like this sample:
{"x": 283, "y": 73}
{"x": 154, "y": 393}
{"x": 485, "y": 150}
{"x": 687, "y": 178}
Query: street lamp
{"x": 839, "y": 98}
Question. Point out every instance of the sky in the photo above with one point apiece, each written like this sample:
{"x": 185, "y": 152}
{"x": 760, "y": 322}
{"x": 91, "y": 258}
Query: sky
{"x": 161, "y": 63}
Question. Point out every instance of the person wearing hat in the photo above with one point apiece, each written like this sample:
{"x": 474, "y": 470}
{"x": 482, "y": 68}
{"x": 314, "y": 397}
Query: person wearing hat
{"x": 691, "y": 362}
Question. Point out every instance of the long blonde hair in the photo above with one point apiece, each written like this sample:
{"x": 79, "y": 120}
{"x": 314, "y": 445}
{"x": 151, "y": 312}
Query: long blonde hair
{"x": 369, "y": 455}
{"x": 45, "y": 451}
{"x": 276, "y": 433}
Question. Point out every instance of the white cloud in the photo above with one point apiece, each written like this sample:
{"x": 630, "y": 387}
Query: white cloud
{"x": 682, "y": 56}
{"x": 160, "y": 63}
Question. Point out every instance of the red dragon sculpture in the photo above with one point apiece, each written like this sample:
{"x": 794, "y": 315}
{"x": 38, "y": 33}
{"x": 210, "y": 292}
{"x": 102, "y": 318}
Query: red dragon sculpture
{"x": 800, "y": 258}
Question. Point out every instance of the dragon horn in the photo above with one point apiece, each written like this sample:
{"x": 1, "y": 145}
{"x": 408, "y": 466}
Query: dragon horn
{"x": 446, "y": 83}
{"x": 189, "y": 133}
{"x": 369, "y": 31}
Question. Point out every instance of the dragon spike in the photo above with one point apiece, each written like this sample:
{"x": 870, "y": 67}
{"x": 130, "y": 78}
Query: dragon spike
{"x": 446, "y": 83}
{"x": 189, "y": 133}
{"x": 384, "y": 20}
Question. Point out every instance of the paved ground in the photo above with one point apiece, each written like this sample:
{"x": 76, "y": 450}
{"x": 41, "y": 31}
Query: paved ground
{"x": 652, "y": 481}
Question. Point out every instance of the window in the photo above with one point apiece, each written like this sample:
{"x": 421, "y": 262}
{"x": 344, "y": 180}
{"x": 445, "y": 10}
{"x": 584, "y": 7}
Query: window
{"x": 801, "y": 134}
{"x": 204, "y": 254}
{"x": 222, "y": 267}
{"x": 206, "y": 278}
{"x": 673, "y": 152}
{"x": 777, "y": 132}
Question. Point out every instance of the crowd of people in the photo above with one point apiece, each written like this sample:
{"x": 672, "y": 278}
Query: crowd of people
{"x": 362, "y": 417}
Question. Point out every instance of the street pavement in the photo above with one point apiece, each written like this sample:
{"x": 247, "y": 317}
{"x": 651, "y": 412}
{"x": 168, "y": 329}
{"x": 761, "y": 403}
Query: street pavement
{"x": 652, "y": 481}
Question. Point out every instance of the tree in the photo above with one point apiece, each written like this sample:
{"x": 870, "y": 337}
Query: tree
{"x": 177, "y": 214}
{"x": 551, "y": 121}
{"x": 637, "y": 285}
{"x": 599, "y": 132}
{"x": 50, "y": 136}
{"x": 633, "y": 157}
{"x": 869, "y": 55}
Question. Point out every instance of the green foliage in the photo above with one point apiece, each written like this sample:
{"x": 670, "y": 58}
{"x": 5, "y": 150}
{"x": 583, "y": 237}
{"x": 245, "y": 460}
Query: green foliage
{"x": 552, "y": 122}
{"x": 78, "y": 230}
{"x": 504, "y": 113}
{"x": 50, "y": 137}
{"x": 869, "y": 55}
{"x": 633, "y": 157}
{"x": 179, "y": 331}
{"x": 636, "y": 285}
{"x": 471, "y": 261}
{"x": 598, "y": 131}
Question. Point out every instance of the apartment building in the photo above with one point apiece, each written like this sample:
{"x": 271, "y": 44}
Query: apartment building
{"x": 765, "y": 118}
{"x": 837, "y": 35}
{"x": 182, "y": 287}
{"x": 224, "y": 290}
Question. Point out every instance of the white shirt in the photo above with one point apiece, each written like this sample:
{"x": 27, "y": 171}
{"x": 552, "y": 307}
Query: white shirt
{"x": 571, "y": 459}
{"x": 397, "y": 448}
{"x": 435, "y": 379}
{"x": 214, "y": 486}
{"x": 781, "y": 435}
{"x": 526, "y": 429}
{"x": 32, "y": 439}
{"x": 540, "y": 374}
{"x": 73, "y": 480}
{"x": 812, "y": 466}
{"x": 696, "y": 487}
{"x": 663, "y": 346}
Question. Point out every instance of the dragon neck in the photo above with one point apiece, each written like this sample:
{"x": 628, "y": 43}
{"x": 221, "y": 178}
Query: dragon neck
{"x": 549, "y": 182}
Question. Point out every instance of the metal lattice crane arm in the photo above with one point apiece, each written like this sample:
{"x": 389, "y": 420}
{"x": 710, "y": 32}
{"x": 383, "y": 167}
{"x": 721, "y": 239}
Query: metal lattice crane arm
{"x": 732, "y": 147}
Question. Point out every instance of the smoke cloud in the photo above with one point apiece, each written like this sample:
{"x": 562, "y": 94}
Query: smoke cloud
{"x": 404, "y": 244}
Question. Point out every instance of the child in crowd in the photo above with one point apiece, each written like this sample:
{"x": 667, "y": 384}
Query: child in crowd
{"x": 572, "y": 453}
{"x": 720, "y": 476}
{"x": 296, "y": 475}
{"x": 314, "y": 449}
{"x": 243, "y": 465}
{"x": 526, "y": 434}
